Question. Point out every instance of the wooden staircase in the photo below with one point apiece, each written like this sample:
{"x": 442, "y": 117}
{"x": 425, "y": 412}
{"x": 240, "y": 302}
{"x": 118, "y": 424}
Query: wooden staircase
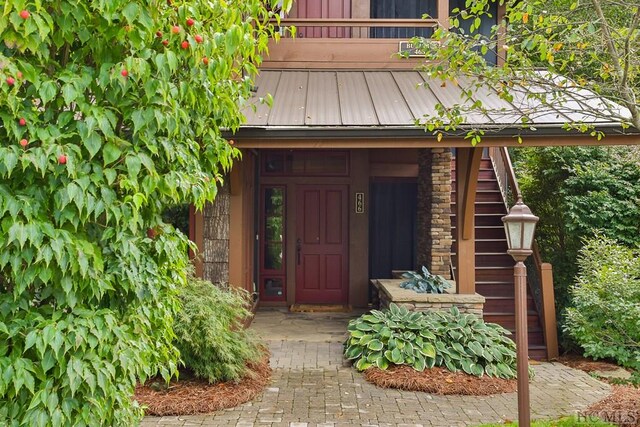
{"x": 494, "y": 267}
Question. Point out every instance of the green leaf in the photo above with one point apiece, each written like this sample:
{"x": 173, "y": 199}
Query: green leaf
{"x": 375, "y": 345}
{"x": 111, "y": 153}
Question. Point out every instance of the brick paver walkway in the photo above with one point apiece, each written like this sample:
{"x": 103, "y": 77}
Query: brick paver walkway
{"x": 313, "y": 386}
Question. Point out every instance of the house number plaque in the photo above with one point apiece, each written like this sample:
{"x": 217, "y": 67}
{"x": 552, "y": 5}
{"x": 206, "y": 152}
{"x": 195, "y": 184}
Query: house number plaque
{"x": 359, "y": 203}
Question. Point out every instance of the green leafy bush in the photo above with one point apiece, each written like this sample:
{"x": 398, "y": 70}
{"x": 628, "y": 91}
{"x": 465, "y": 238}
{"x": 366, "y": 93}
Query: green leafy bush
{"x": 605, "y": 315}
{"x": 457, "y": 341}
{"x": 424, "y": 282}
{"x": 209, "y": 332}
{"x": 105, "y": 121}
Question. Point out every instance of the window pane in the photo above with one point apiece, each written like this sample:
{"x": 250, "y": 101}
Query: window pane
{"x": 402, "y": 9}
{"x": 273, "y": 256}
{"x": 274, "y": 201}
{"x": 328, "y": 164}
{"x": 274, "y": 163}
{"x": 274, "y": 229}
{"x": 273, "y": 287}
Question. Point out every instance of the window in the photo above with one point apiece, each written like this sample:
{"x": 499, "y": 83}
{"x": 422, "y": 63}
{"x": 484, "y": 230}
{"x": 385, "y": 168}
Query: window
{"x": 306, "y": 163}
{"x": 402, "y": 9}
{"x": 272, "y": 240}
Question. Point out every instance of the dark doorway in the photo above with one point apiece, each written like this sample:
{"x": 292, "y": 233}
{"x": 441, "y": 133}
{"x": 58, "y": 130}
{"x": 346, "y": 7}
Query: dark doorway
{"x": 392, "y": 228}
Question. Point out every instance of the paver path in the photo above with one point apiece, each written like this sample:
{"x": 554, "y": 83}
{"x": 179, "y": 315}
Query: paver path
{"x": 313, "y": 386}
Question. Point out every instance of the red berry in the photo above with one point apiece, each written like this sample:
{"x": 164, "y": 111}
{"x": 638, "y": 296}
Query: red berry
{"x": 151, "y": 233}
{"x": 158, "y": 34}
{"x": 175, "y": 29}
{"x": 124, "y": 73}
{"x": 24, "y": 143}
{"x": 62, "y": 159}
{"x": 11, "y": 81}
{"x": 198, "y": 38}
{"x": 24, "y": 14}
{"x": 19, "y": 74}
{"x": 190, "y": 22}
{"x": 185, "y": 44}
{"x": 22, "y": 122}
{"x": 205, "y": 60}
{"x": 165, "y": 42}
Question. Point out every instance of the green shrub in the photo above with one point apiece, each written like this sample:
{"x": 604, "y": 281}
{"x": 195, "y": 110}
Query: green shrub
{"x": 422, "y": 340}
{"x": 424, "y": 282}
{"x": 605, "y": 316}
{"x": 210, "y": 336}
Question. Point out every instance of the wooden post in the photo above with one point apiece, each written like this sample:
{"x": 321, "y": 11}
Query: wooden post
{"x": 196, "y": 235}
{"x": 549, "y": 311}
{"x": 443, "y": 13}
{"x": 236, "y": 226}
{"x": 467, "y": 171}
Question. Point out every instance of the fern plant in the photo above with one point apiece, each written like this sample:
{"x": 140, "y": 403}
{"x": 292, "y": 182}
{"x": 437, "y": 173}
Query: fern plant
{"x": 424, "y": 282}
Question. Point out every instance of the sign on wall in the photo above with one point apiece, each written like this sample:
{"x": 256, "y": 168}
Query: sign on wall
{"x": 408, "y": 49}
{"x": 359, "y": 203}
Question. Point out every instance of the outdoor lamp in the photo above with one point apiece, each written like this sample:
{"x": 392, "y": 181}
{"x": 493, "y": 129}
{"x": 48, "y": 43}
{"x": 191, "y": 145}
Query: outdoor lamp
{"x": 519, "y": 226}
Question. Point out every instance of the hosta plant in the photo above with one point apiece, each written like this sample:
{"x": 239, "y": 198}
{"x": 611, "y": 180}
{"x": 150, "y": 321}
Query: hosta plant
{"x": 454, "y": 340}
{"x": 394, "y": 336}
{"x": 424, "y": 282}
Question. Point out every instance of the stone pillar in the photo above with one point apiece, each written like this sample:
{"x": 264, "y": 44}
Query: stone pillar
{"x": 215, "y": 256}
{"x": 440, "y": 236}
{"x": 434, "y": 207}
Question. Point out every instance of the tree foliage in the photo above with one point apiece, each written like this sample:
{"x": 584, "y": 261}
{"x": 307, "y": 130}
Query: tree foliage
{"x": 605, "y": 319}
{"x": 574, "y": 56}
{"x": 110, "y": 111}
{"x": 575, "y": 191}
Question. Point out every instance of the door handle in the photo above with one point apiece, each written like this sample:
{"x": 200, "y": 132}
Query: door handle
{"x": 298, "y": 249}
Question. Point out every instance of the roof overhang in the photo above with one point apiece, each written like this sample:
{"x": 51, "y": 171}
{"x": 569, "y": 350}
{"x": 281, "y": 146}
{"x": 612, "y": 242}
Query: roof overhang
{"x": 338, "y": 108}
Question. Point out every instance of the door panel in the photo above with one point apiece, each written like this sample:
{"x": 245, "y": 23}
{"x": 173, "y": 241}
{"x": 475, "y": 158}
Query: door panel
{"x": 322, "y": 244}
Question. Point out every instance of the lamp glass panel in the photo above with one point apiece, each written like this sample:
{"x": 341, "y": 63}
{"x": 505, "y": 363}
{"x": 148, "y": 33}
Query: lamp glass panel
{"x": 514, "y": 229}
{"x": 528, "y": 232}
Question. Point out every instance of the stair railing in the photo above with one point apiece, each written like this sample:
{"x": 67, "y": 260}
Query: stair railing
{"x": 540, "y": 273}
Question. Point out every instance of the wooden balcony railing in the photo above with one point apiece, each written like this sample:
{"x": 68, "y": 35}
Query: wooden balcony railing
{"x": 540, "y": 275}
{"x": 360, "y": 27}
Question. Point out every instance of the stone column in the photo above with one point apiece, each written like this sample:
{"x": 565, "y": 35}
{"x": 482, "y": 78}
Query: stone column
{"x": 215, "y": 255}
{"x": 434, "y": 207}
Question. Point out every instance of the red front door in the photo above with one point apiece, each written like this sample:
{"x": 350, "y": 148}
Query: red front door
{"x": 321, "y": 244}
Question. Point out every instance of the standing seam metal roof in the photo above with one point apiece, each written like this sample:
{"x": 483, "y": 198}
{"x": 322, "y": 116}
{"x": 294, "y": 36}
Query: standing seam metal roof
{"x": 387, "y": 98}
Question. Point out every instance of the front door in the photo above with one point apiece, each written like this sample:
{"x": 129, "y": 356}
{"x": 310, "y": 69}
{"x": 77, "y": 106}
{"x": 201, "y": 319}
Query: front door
{"x": 321, "y": 244}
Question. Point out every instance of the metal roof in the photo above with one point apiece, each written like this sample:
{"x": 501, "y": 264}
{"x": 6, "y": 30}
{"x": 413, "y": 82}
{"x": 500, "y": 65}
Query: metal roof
{"x": 304, "y": 99}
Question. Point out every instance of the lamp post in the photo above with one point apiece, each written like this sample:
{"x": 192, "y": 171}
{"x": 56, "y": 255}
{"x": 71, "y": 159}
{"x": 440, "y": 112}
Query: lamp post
{"x": 520, "y": 225}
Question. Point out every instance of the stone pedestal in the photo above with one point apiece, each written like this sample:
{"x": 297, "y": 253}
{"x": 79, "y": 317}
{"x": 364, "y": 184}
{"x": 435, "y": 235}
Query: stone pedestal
{"x": 390, "y": 291}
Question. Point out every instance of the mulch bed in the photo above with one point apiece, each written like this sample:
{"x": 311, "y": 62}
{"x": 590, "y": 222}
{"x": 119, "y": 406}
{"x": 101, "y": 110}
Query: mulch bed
{"x": 622, "y": 407}
{"x": 585, "y": 364}
{"x": 438, "y": 381}
{"x": 192, "y": 396}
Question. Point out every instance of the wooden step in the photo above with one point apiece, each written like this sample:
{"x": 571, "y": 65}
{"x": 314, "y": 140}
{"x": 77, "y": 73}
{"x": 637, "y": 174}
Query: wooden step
{"x": 491, "y": 195}
{"x": 482, "y": 219}
{"x": 483, "y": 184}
{"x": 486, "y": 231}
{"x": 508, "y": 320}
{"x": 486, "y": 245}
{"x": 489, "y": 258}
{"x": 505, "y": 304}
{"x": 485, "y": 207}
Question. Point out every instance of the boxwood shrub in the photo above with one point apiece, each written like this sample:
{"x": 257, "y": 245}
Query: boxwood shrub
{"x": 455, "y": 340}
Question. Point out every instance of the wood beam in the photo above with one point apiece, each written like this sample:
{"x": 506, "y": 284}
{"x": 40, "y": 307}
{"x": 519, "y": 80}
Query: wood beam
{"x": 236, "y": 226}
{"x": 467, "y": 171}
{"x": 549, "y": 311}
{"x": 395, "y": 143}
{"x": 443, "y": 13}
{"x": 196, "y": 235}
